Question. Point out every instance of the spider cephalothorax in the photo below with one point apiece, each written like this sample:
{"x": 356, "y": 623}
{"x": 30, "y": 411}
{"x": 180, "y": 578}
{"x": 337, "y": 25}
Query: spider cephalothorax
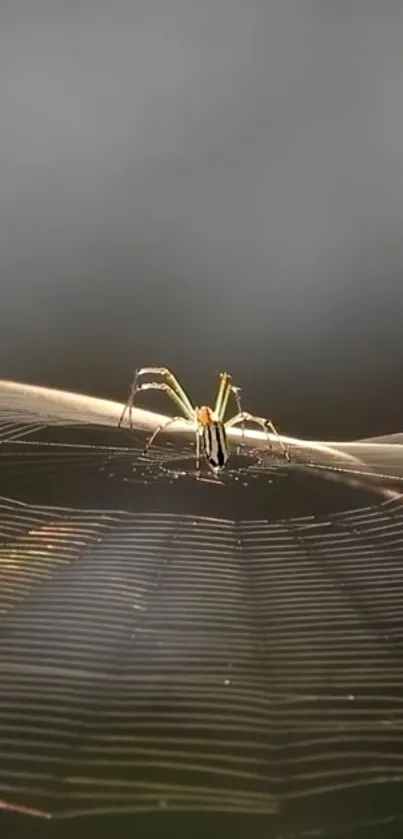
{"x": 209, "y": 424}
{"x": 204, "y": 415}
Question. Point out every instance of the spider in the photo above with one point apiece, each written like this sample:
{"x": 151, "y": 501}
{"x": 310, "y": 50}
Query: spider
{"x": 209, "y": 424}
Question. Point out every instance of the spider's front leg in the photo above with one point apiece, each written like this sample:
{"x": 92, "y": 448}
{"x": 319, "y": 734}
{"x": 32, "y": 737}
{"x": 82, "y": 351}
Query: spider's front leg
{"x": 173, "y": 386}
{"x": 226, "y": 389}
{"x": 173, "y": 394}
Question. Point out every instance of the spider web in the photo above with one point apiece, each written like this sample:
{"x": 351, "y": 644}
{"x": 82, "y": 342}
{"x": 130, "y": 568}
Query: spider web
{"x": 158, "y": 659}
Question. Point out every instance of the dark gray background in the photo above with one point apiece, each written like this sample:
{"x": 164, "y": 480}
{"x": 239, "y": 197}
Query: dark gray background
{"x": 207, "y": 185}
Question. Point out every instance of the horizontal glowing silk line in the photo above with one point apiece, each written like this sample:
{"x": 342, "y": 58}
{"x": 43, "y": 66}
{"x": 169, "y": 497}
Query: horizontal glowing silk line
{"x": 75, "y": 407}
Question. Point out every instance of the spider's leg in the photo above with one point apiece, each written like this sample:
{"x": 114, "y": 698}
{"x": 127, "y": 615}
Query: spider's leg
{"x": 158, "y": 430}
{"x": 129, "y": 404}
{"x": 172, "y": 381}
{"x": 237, "y": 396}
{"x": 223, "y": 394}
{"x": 136, "y": 388}
{"x": 241, "y": 416}
{"x": 263, "y": 423}
{"x": 197, "y": 451}
{"x": 284, "y": 448}
{"x": 171, "y": 386}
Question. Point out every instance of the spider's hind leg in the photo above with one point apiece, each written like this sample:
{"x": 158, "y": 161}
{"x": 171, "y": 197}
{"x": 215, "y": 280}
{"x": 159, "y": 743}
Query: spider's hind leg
{"x": 158, "y": 430}
{"x": 284, "y": 448}
{"x": 134, "y": 387}
{"x": 237, "y": 396}
{"x": 265, "y": 424}
{"x": 197, "y": 452}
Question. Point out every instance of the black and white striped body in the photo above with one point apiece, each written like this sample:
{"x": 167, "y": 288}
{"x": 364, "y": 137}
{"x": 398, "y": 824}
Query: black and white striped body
{"x": 215, "y": 444}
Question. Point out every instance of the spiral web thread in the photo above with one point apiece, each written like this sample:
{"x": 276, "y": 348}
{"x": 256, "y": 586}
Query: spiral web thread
{"x": 164, "y": 661}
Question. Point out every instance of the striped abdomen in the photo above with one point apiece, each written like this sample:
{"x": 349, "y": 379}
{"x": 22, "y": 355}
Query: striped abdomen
{"x": 215, "y": 444}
